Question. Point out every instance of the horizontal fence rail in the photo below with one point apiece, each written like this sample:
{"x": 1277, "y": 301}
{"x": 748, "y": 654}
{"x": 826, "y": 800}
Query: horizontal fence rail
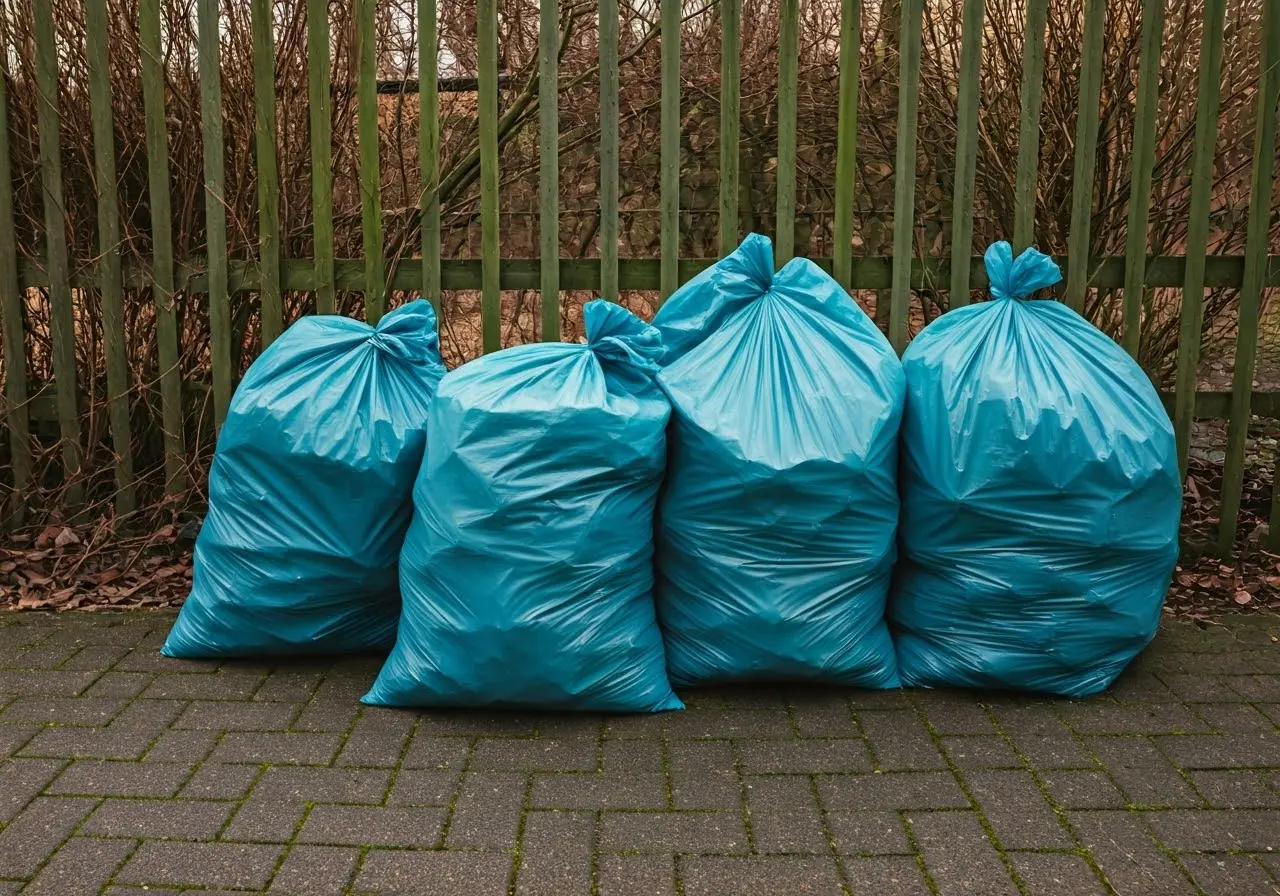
{"x": 510, "y": 104}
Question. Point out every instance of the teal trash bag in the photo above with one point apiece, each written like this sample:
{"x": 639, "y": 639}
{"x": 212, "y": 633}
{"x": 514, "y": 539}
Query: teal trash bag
{"x": 1040, "y": 496}
{"x": 310, "y": 492}
{"x": 527, "y": 572}
{"x": 776, "y": 530}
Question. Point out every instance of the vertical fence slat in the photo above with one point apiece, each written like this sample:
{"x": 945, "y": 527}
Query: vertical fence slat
{"x": 264, "y": 97}
{"x": 609, "y": 149}
{"x": 904, "y": 186}
{"x": 110, "y": 281}
{"x": 429, "y": 151}
{"x": 730, "y": 122}
{"x": 846, "y": 142}
{"x": 321, "y": 151}
{"x": 490, "y": 296}
{"x": 1086, "y": 155}
{"x": 1024, "y": 192}
{"x": 784, "y": 246}
{"x": 669, "y": 178}
{"x": 215, "y": 206}
{"x": 375, "y": 298}
{"x": 549, "y": 165}
{"x": 1255, "y": 272}
{"x": 1144, "y": 157}
{"x": 1197, "y": 243}
{"x": 11, "y": 318}
{"x": 163, "y": 286}
{"x": 966, "y": 151}
{"x": 61, "y": 308}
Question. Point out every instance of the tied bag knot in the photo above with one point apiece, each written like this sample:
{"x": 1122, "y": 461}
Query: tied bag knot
{"x": 615, "y": 334}
{"x": 1021, "y": 278}
{"x": 408, "y": 334}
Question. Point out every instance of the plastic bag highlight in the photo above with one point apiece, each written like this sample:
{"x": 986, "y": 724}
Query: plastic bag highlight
{"x": 310, "y": 491}
{"x": 777, "y": 523}
{"x": 1040, "y": 496}
{"x": 527, "y": 571}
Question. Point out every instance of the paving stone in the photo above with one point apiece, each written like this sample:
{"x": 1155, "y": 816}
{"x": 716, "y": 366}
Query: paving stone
{"x": 450, "y": 873}
{"x": 1142, "y": 772}
{"x": 329, "y": 711}
{"x": 899, "y": 875}
{"x": 478, "y": 723}
{"x": 1127, "y": 855}
{"x": 556, "y": 854}
{"x": 1097, "y": 717}
{"x": 517, "y": 755}
{"x": 158, "y": 819}
{"x": 486, "y": 813}
{"x": 1271, "y": 711}
{"x": 275, "y": 747}
{"x": 289, "y": 685}
{"x": 958, "y": 855}
{"x": 49, "y": 655}
{"x": 1056, "y": 874}
{"x": 22, "y": 780}
{"x": 82, "y": 865}
{"x": 238, "y": 715}
{"x": 640, "y": 727}
{"x": 1017, "y": 718}
{"x": 784, "y": 815}
{"x": 1236, "y": 789}
{"x": 636, "y": 875}
{"x": 95, "y": 658}
{"x": 1052, "y": 751}
{"x": 218, "y": 685}
{"x": 1253, "y": 750}
{"x": 823, "y": 714}
{"x": 704, "y": 775}
{"x": 373, "y": 826}
{"x": 37, "y": 831}
{"x": 376, "y": 742}
{"x": 867, "y": 833}
{"x": 1138, "y": 686}
{"x": 589, "y": 790}
{"x": 215, "y": 781}
{"x": 1017, "y": 811}
{"x": 120, "y": 684}
{"x": 1229, "y": 875}
{"x": 1200, "y": 687}
{"x": 671, "y": 832}
{"x": 425, "y": 751}
{"x": 1262, "y": 688}
{"x": 1249, "y": 830}
{"x": 953, "y": 712}
{"x": 95, "y": 711}
{"x": 1083, "y": 790}
{"x": 715, "y": 875}
{"x": 98, "y": 778}
{"x": 90, "y": 743}
{"x": 181, "y": 746}
{"x": 236, "y": 865}
{"x": 899, "y": 740}
{"x": 805, "y": 756}
{"x": 313, "y": 870}
{"x": 151, "y": 716}
{"x": 579, "y": 726}
{"x": 260, "y": 820}
{"x": 14, "y": 738}
{"x": 323, "y": 785}
{"x": 899, "y": 790}
{"x": 981, "y": 751}
{"x": 1232, "y": 718}
{"x": 630, "y": 757}
{"x": 728, "y": 723}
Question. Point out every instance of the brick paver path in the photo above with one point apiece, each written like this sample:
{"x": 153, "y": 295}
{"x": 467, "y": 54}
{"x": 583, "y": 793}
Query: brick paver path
{"x": 130, "y": 773}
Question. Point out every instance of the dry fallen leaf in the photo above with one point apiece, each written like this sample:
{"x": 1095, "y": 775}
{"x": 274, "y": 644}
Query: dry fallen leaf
{"x": 1243, "y": 597}
{"x": 66, "y": 537}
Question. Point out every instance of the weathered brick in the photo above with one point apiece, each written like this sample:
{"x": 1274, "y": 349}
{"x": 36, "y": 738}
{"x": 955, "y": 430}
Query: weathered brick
{"x": 260, "y": 820}
{"x": 633, "y": 875}
{"x": 715, "y": 875}
{"x": 37, "y": 831}
{"x": 158, "y": 819}
{"x": 425, "y": 751}
{"x": 312, "y": 870}
{"x": 1058, "y": 874}
{"x": 95, "y": 658}
{"x": 1082, "y": 789}
{"x": 218, "y": 685}
{"x": 450, "y": 873}
{"x": 784, "y": 815}
{"x": 291, "y": 748}
{"x": 377, "y": 740}
{"x": 1200, "y": 687}
{"x": 823, "y": 714}
{"x": 864, "y": 832}
{"x": 898, "y": 875}
{"x": 477, "y": 723}
{"x": 899, "y": 740}
{"x": 82, "y": 865}
{"x": 21, "y": 780}
{"x": 289, "y": 685}
{"x": 1097, "y": 717}
{"x": 99, "y": 778}
{"x": 1128, "y": 857}
{"x": 181, "y": 746}
{"x": 631, "y": 757}
{"x": 900, "y": 790}
{"x": 64, "y": 710}
{"x": 373, "y": 826}
{"x": 1260, "y": 688}
{"x": 1247, "y": 830}
{"x": 1140, "y": 686}
{"x": 1144, "y": 775}
{"x": 556, "y": 854}
{"x": 237, "y": 715}
{"x": 671, "y": 832}
{"x": 1242, "y": 789}
{"x": 1232, "y": 718}
{"x": 844, "y": 755}
{"x": 424, "y": 787}
{"x": 981, "y": 751}
{"x": 1252, "y": 750}
{"x": 703, "y": 775}
{"x": 953, "y": 712}
{"x": 14, "y": 738}
{"x": 1219, "y": 875}
{"x": 323, "y": 785}
{"x": 234, "y": 865}
{"x": 1017, "y": 811}
{"x": 590, "y": 790}
{"x": 487, "y": 811}
{"x": 120, "y": 684}
{"x": 46, "y": 683}
{"x": 729, "y": 723}
{"x": 958, "y": 855}
{"x": 512, "y": 754}
{"x": 215, "y": 781}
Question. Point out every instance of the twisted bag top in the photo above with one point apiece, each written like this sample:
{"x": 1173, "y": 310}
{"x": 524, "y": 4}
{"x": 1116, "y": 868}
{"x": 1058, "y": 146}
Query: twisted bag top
{"x": 526, "y": 573}
{"x": 309, "y": 494}
{"x": 1040, "y": 496}
{"x": 777, "y": 523}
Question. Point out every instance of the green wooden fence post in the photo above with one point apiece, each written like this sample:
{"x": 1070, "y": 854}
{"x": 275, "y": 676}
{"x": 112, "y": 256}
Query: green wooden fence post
{"x": 61, "y": 307}
{"x": 788, "y": 87}
{"x": 549, "y": 165}
{"x": 375, "y": 287}
{"x": 669, "y": 177}
{"x": 12, "y": 298}
{"x": 904, "y": 185}
{"x": 1202, "y": 179}
{"x": 846, "y": 142}
{"x": 1257, "y": 236}
{"x": 1086, "y": 156}
{"x": 215, "y": 207}
{"x": 269, "y": 246}
{"x": 730, "y": 122}
{"x": 1024, "y": 193}
{"x": 609, "y": 149}
{"x": 321, "y": 152}
{"x": 491, "y": 295}
{"x": 429, "y": 152}
{"x": 966, "y": 152}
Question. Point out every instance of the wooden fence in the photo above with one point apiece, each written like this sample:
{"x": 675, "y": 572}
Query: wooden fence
{"x": 110, "y": 273}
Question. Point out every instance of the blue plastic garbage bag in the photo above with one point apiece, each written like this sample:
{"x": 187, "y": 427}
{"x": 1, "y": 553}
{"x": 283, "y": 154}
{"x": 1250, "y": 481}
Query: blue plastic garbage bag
{"x": 777, "y": 524}
{"x": 1040, "y": 496}
{"x": 310, "y": 492}
{"x": 527, "y": 572}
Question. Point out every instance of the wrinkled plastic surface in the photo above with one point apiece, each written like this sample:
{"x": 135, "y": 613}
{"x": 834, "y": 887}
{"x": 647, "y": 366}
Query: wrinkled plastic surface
{"x": 527, "y": 571}
{"x": 1040, "y": 496}
{"x": 777, "y": 523}
{"x": 310, "y": 491}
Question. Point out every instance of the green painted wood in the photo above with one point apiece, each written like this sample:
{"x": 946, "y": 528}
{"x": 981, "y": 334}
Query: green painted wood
{"x": 1086, "y": 155}
{"x": 784, "y": 245}
{"x": 264, "y": 96}
{"x": 161, "y": 276}
{"x": 669, "y": 164}
{"x": 318, "y": 97}
{"x": 61, "y": 307}
{"x": 549, "y": 165}
{"x": 110, "y": 282}
{"x": 847, "y": 141}
{"x": 1197, "y": 244}
{"x": 490, "y": 295}
{"x": 609, "y": 149}
{"x": 967, "y": 102}
{"x": 220, "y": 327}
{"x": 375, "y": 289}
{"x": 730, "y": 121}
{"x": 1255, "y": 274}
{"x": 1024, "y": 191}
{"x": 904, "y": 186}
{"x": 1144, "y": 156}
{"x": 17, "y": 417}
{"x": 429, "y": 152}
